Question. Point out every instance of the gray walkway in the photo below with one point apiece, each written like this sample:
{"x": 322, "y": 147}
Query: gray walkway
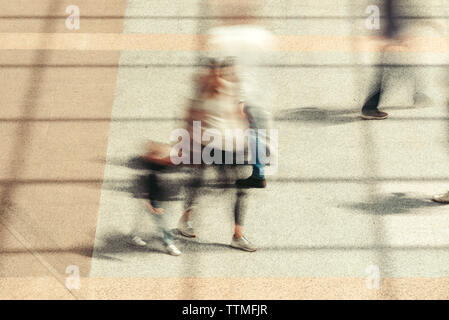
{"x": 348, "y": 194}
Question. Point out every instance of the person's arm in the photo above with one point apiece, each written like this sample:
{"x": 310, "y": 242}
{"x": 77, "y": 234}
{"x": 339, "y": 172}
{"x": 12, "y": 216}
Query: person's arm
{"x": 152, "y": 207}
{"x": 193, "y": 112}
{"x": 241, "y": 108}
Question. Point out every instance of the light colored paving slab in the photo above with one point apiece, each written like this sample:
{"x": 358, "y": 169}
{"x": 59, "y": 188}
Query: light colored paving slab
{"x": 54, "y": 123}
{"x": 97, "y": 16}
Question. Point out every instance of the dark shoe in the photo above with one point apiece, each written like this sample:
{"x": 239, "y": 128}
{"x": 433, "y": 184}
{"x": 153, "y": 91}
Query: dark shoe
{"x": 374, "y": 115}
{"x": 251, "y": 183}
{"x": 372, "y": 103}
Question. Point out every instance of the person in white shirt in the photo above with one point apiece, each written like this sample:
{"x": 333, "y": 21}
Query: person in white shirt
{"x": 252, "y": 46}
{"x": 217, "y": 108}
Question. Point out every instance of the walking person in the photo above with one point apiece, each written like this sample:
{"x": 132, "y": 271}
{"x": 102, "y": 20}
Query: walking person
{"x": 370, "y": 109}
{"x": 399, "y": 29}
{"x": 218, "y": 109}
{"x": 158, "y": 188}
{"x": 252, "y": 46}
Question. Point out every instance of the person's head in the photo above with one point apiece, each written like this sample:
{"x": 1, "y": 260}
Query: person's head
{"x": 158, "y": 153}
{"x": 220, "y": 73}
{"x": 227, "y": 70}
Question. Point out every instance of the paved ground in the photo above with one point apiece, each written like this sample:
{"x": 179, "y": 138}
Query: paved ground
{"x": 52, "y": 105}
{"x": 349, "y": 194}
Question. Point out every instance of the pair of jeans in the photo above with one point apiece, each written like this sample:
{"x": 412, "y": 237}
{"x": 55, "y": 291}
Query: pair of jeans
{"x": 258, "y": 118}
{"x": 161, "y": 223}
{"x": 163, "y": 188}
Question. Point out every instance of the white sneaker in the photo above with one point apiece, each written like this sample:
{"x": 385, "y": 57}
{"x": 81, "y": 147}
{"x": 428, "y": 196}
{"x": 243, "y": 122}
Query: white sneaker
{"x": 243, "y": 244}
{"x": 172, "y": 249}
{"x": 186, "y": 229}
{"x": 137, "y": 241}
{"x": 442, "y": 198}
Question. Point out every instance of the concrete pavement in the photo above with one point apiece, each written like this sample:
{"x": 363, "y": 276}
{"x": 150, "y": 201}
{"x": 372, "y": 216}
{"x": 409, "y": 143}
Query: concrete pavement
{"x": 349, "y": 194}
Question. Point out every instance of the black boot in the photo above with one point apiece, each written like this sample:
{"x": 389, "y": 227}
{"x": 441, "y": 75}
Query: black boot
{"x": 370, "y": 109}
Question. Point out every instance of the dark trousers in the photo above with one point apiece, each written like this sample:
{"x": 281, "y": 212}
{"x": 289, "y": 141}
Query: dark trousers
{"x": 227, "y": 175}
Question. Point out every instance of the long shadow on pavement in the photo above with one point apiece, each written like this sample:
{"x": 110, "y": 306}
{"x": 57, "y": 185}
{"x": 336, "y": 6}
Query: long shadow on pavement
{"x": 396, "y": 203}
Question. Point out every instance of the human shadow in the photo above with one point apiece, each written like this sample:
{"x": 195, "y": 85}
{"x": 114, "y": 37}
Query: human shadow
{"x": 114, "y": 243}
{"x": 396, "y": 203}
{"x": 326, "y": 116}
{"x": 312, "y": 115}
{"x": 137, "y": 186}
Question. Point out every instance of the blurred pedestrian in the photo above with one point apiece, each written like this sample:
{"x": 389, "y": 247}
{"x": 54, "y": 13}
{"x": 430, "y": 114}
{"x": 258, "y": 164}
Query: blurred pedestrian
{"x": 158, "y": 188}
{"x": 252, "y": 46}
{"x": 218, "y": 109}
